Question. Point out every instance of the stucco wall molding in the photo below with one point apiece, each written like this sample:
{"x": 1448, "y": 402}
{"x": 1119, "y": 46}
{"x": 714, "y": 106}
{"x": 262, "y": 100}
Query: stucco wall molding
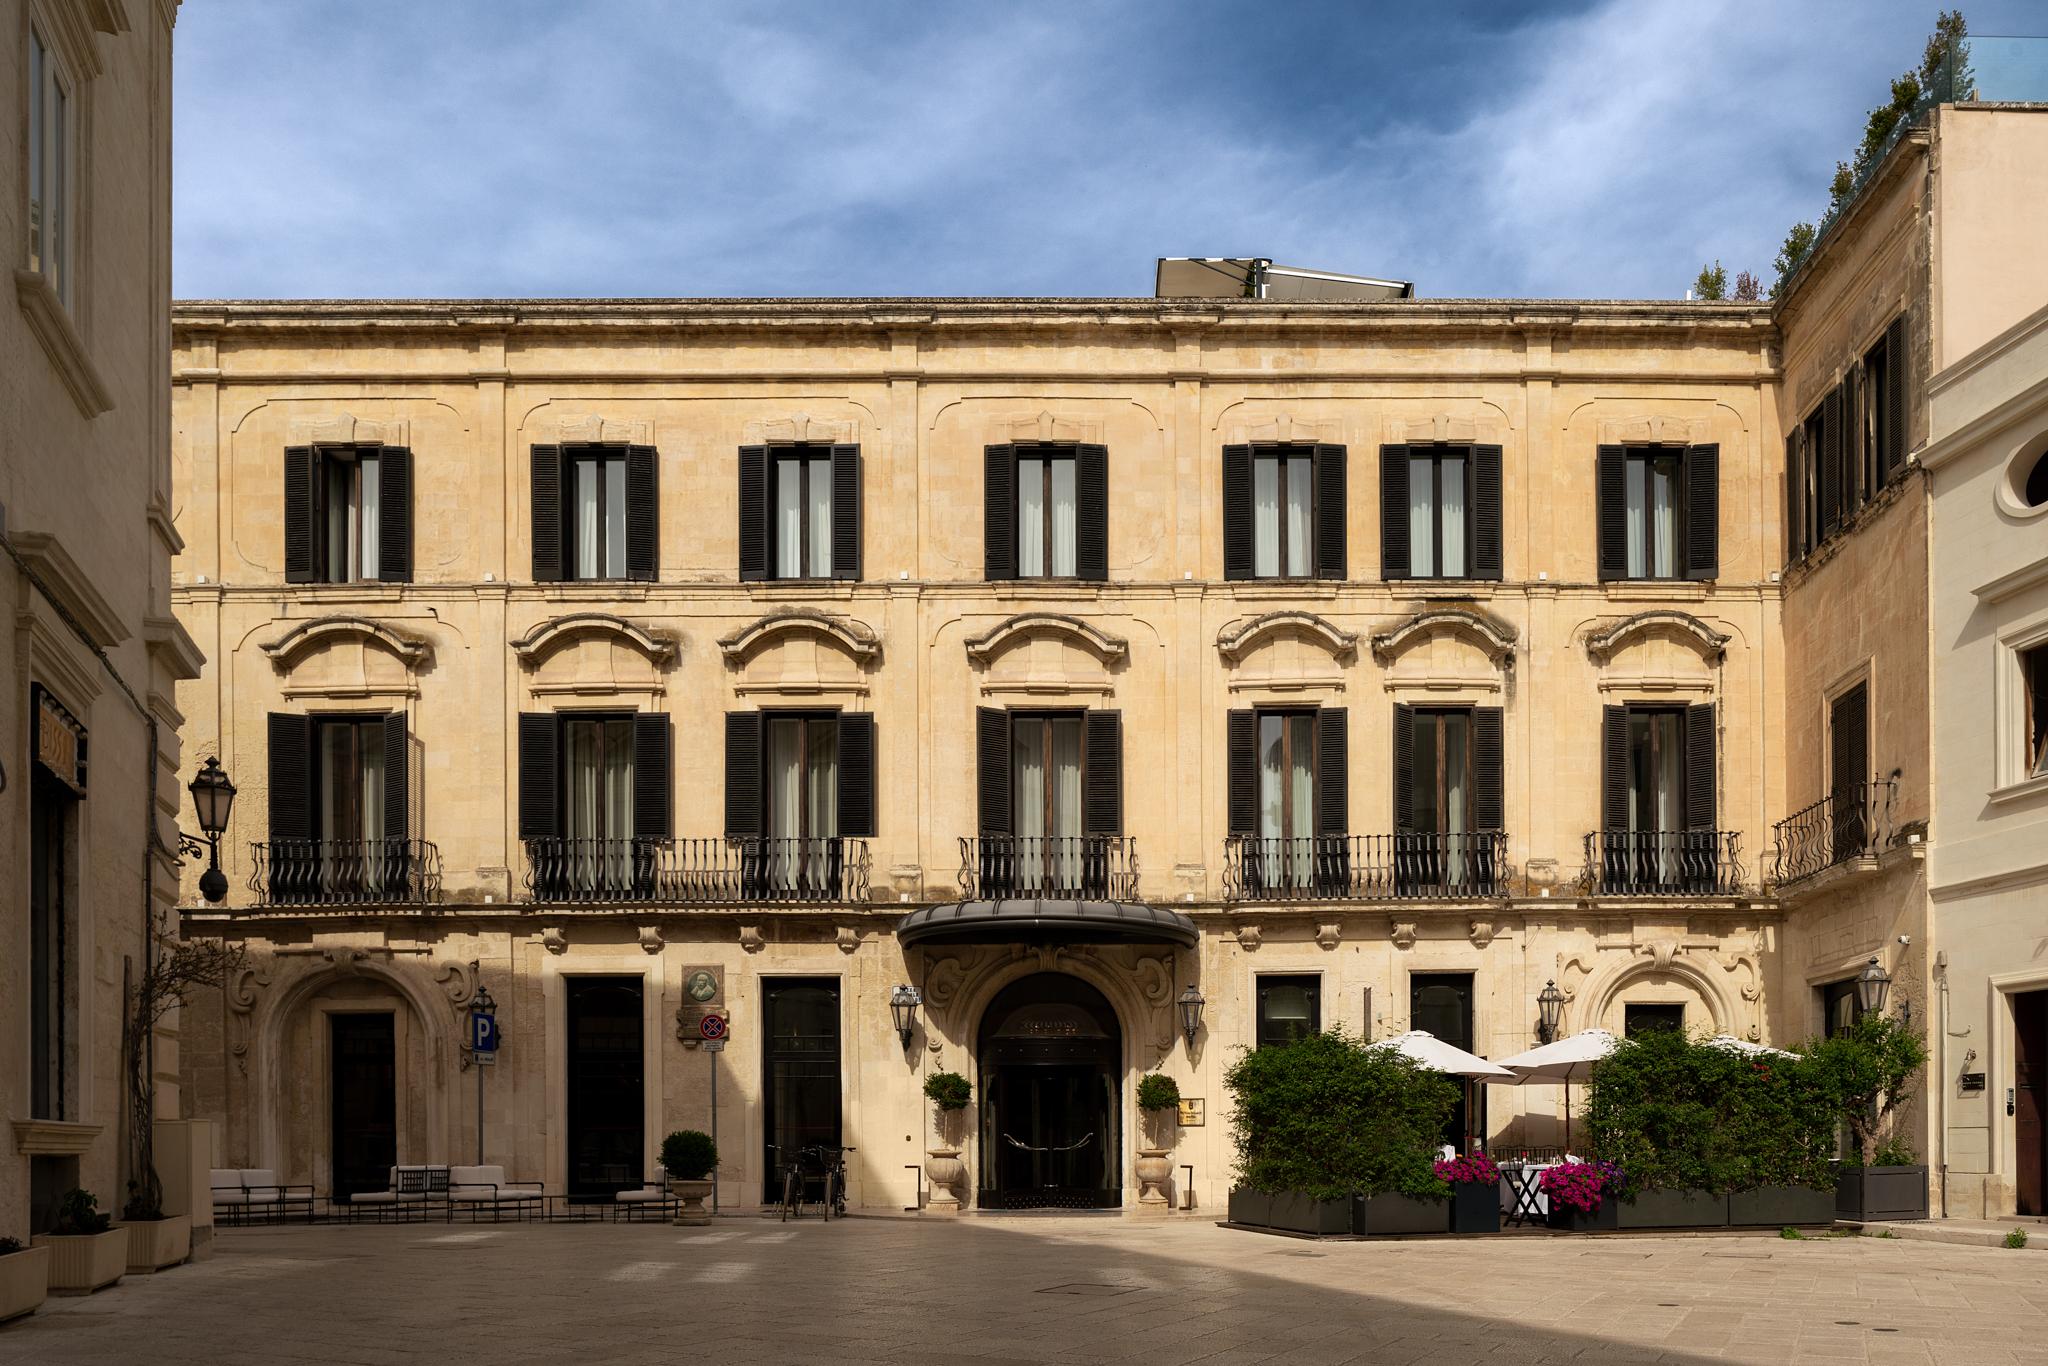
{"x": 1489, "y": 633}
{"x": 1603, "y": 645}
{"x": 984, "y": 648}
{"x": 856, "y": 638}
{"x": 533, "y": 648}
{"x": 1239, "y": 637}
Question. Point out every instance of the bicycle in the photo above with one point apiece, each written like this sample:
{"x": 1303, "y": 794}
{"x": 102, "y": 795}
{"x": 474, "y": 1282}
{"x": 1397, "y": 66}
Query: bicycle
{"x": 792, "y": 1185}
{"x": 831, "y": 1160}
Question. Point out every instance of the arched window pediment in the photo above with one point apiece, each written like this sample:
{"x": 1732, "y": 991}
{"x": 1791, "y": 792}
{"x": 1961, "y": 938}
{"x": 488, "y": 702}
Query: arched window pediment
{"x": 1025, "y": 626}
{"x": 856, "y": 638}
{"x": 1238, "y": 638}
{"x": 288, "y": 648}
{"x": 545, "y": 639}
{"x": 1603, "y": 645}
{"x": 1493, "y": 636}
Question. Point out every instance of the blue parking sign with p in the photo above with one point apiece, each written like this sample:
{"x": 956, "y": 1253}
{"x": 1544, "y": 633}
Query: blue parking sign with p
{"x": 483, "y": 1033}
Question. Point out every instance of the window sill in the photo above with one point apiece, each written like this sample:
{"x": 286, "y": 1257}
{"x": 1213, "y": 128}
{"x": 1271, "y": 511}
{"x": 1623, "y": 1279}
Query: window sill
{"x": 1257, "y": 589}
{"x": 52, "y": 325}
{"x": 1462, "y": 590}
{"x": 2020, "y": 791}
{"x": 1660, "y": 590}
{"x": 54, "y": 1137}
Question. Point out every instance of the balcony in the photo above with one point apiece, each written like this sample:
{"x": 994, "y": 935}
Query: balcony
{"x": 1406, "y": 867}
{"x": 1843, "y": 827}
{"x": 382, "y": 872}
{"x": 1055, "y": 867}
{"x": 696, "y": 872}
{"x": 1662, "y": 863}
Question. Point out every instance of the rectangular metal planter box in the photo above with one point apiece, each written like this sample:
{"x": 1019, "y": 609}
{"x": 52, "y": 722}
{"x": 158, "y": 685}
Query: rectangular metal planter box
{"x": 1670, "y": 1209}
{"x": 1868, "y": 1193}
{"x": 1781, "y": 1207}
{"x": 1475, "y": 1207}
{"x": 1250, "y": 1207}
{"x": 81, "y": 1263}
{"x": 1602, "y": 1220}
{"x": 24, "y": 1281}
{"x": 1297, "y": 1213}
{"x": 1378, "y": 1216}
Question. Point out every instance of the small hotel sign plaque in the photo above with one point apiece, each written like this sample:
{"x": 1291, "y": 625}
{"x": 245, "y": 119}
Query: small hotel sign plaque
{"x": 1190, "y": 1112}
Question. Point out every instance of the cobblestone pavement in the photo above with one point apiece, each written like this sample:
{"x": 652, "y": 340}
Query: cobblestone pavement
{"x": 1005, "y": 1291}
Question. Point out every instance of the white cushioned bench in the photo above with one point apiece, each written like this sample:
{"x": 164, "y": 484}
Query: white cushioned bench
{"x": 478, "y": 1188}
{"x": 239, "y": 1192}
{"x": 414, "y": 1189}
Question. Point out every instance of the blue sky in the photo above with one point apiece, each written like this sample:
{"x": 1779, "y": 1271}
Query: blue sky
{"x": 449, "y": 148}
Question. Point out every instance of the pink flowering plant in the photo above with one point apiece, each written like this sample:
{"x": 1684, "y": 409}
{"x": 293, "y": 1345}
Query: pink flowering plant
{"x": 1476, "y": 1169}
{"x": 1580, "y": 1185}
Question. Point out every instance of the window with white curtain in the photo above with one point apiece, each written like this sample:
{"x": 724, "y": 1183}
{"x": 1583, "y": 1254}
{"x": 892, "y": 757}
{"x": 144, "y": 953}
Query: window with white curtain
{"x": 1656, "y": 795}
{"x": 347, "y": 514}
{"x": 802, "y": 524}
{"x": 802, "y": 755}
{"x": 1439, "y": 513}
{"x": 1287, "y": 801}
{"x": 1440, "y": 792}
{"x": 596, "y": 488}
{"x": 1283, "y": 514}
{"x": 1045, "y": 512}
{"x": 51, "y": 140}
{"x": 597, "y": 772}
{"x": 348, "y": 801}
{"x": 1046, "y": 774}
{"x": 1654, "y": 488}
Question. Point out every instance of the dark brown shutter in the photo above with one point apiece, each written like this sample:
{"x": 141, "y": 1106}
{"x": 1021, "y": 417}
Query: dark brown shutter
{"x": 999, "y": 512}
{"x": 1849, "y": 740}
{"x": 1611, "y": 497}
{"x": 742, "y": 774}
{"x": 1487, "y": 514}
{"x": 846, "y": 545}
{"x": 753, "y": 513}
{"x": 1489, "y": 809}
{"x": 1892, "y": 441}
{"x": 1614, "y": 768}
{"x": 992, "y": 769}
{"x": 291, "y": 777}
{"x": 1333, "y": 771}
{"x": 1795, "y": 502}
{"x": 1331, "y": 511}
{"x": 1404, "y": 768}
{"x": 1703, "y": 512}
{"x": 1242, "y": 779}
{"x": 653, "y": 786}
{"x": 394, "y": 514}
{"x": 856, "y": 773}
{"x": 1091, "y": 515}
{"x": 1396, "y": 554}
{"x": 1237, "y": 512}
{"x": 298, "y": 514}
{"x": 540, "y": 776}
{"x": 397, "y": 773}
{"x": 1699, "y": 767}
{"x": 1831, "y": 463}
{"x": 643, "y": 513}
{"x": 547, "y": 514}
{"x": 1102, "y": 802}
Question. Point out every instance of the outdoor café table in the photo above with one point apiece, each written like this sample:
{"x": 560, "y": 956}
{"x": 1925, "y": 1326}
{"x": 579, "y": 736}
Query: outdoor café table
{"x": 1521, "y": 1199}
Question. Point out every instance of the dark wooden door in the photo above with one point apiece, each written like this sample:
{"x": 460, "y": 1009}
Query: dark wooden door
{"x": 2030, "y": 1100}
{"x": 607, "y": 1090}
{"x": 1849, "y": 762}
{"x": 364, "y": 1103}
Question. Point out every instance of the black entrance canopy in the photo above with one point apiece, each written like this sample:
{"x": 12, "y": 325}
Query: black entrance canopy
{"x": 1033, "y": 920}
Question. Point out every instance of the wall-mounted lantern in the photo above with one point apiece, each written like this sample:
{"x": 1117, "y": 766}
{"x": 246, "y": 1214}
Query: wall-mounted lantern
{"x": 213, "y": 797}
{"x": 1191, "y": 1003}
{"x": 903, "y": 1004}
{"x": 1549, "y": 1012}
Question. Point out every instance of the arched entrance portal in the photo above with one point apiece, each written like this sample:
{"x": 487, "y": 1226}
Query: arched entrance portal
{"x": 1051, "y": 1057}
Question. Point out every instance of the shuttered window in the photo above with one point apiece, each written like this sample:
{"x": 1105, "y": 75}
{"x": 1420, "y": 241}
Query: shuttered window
{"x": 1440, "y": 512}
{"x": 339, "y": 805}
{"x": 799, "y": 511}
{"x": 1659, "y": 512}
{"x": 1284, "y": 511}
{"x": 348, "y": 514}
{"x": 596, "y": 512}
{"x": 1047, "y": 513}
{"x": 1850, "y": 445}
{"x": 1658, "y": 768}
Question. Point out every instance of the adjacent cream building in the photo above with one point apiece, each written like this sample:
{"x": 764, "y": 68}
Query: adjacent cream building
{"x": 91, "y": 655}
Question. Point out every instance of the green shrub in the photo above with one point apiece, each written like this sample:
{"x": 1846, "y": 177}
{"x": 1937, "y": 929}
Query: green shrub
{"x": 688, "y": 1155}
{"x": 1157, "y": 1091}
{"x": 948, "y": 1090}
{"x": 1867, "y": 1072}
{"x": 9, "y": 1246}
{"x": 1326, "y": 1116}
{"x": 78, "y": 1211}
{"x": 2016, "y": 1238}
{"x": 1680, "y": 1114}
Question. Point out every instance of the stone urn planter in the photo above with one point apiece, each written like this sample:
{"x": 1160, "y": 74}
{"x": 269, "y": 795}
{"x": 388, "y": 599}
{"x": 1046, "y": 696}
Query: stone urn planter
{"x": 154, "y": 1244}
{"x": 24, "y": 1281}
{"x": 947, "y": 1173}
{"x": 1153, "y": 1167}
{"x": 690, "y": 1212}
{"x": 81, "y": 1263}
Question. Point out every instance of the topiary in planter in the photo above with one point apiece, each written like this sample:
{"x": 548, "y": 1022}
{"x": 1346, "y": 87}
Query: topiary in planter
{"x": 948, "y": 1090}
{"x": 688, "y": 1155}
{"x": 1157, "y": 1091}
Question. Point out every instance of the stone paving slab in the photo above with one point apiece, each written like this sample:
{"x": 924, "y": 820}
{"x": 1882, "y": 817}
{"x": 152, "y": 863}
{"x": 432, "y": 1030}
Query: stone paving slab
{"x": 1045, "y": 1292}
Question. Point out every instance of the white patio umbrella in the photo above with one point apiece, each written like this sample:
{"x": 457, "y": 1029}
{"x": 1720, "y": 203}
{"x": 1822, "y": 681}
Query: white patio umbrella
{"x": 1565, "y": 1061}
{"x": 1754, "y": 1050}
{"x": 1438, "y": 1056}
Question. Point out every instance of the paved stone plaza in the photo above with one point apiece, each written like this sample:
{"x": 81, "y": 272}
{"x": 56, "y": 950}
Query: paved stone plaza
{"x": 1006, "y": 1291}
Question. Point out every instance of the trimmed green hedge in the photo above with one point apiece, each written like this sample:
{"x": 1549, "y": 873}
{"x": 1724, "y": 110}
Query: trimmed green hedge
{"x": 1328, "y": 1117}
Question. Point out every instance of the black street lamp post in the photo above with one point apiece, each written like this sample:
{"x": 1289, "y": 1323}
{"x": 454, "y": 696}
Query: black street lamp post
{"x": 213, "y": 797}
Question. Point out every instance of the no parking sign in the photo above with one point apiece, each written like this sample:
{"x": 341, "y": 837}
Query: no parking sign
{"x": 712, "y": 1028}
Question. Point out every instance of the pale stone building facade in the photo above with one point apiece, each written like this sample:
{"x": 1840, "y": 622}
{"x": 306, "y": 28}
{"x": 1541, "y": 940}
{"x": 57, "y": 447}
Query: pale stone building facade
{"x": 91, "y": 654}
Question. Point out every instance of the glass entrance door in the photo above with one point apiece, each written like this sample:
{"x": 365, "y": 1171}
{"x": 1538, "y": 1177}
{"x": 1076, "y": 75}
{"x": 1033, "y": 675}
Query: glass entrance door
{"x": 1441, "y": 1003}
{"x": 606, "y": 1121}
{"x": 363, "y": 1103}
{"x": 800, "y": 1081}
{"x": 1051, "y": 1066}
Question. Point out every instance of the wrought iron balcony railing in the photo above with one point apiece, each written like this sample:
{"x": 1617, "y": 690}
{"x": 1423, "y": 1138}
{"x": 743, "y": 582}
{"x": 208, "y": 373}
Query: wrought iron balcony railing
{"x": 696, "y": 871}
{"x": 1068, "y": 867}
{"x": 1662, "y": 863}
{"x": 1850, "y": 823}
{"x": 1414, "y": 866}
{"x": 378, "y": 872}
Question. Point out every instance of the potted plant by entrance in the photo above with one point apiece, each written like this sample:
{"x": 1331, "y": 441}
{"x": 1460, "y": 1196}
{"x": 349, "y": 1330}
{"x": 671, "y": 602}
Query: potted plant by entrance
{"x": 689, "y": 1157}
{"x": 949, "y": 1092}
{"x": 1475, "y": 1192}
{"x": 155, "y": 1239}
{"x": 1584, "y": 1196}
{"x": 1869, "y": 1069}
{"x": 86, "y": 1250}
{"x": 1159, "y": 1098}
{"x": 24, "y": 1278}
